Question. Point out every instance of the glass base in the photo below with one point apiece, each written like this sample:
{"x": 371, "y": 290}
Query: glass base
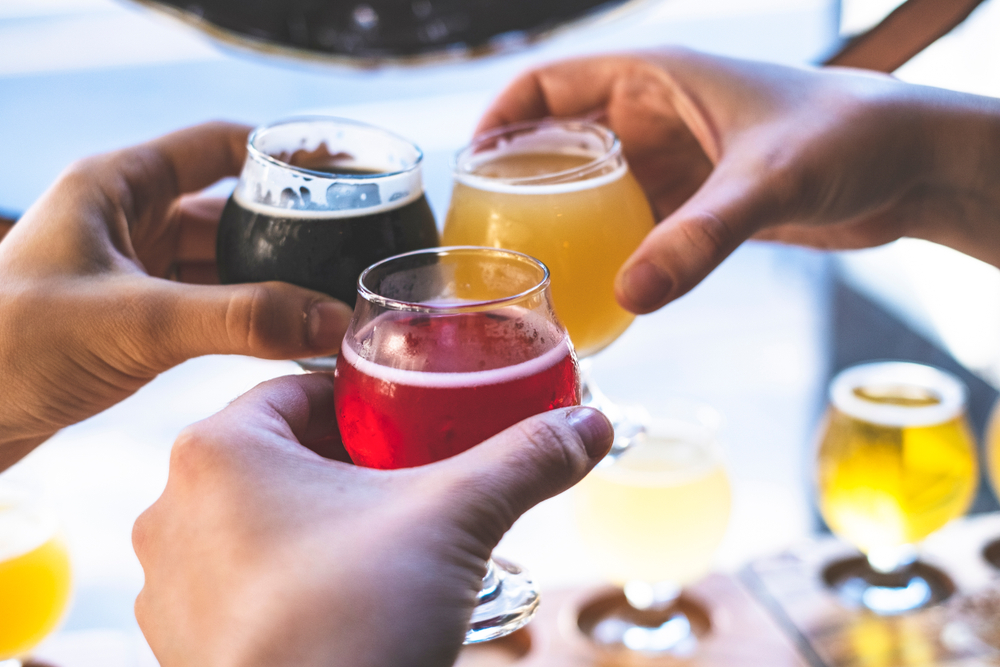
{"x": 913, "y": 586}
{"x": 328, "y": 363}
{"x": 507, "y": 601}
{"x": 672, "y": 628}
{"x": 991, "y": 553}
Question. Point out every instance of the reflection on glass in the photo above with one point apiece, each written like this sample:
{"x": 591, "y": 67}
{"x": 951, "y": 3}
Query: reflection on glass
{"x": 448, "y": 347}
{"x": 35, "y": 575}
{"x": 896, "y": 462}
{"x": 652, "y": 519}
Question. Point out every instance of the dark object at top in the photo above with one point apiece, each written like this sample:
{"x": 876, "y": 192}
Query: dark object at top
{"x": 374, "y": 32}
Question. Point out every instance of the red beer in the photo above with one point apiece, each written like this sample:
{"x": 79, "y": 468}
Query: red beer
{"x": 429, "y": 406}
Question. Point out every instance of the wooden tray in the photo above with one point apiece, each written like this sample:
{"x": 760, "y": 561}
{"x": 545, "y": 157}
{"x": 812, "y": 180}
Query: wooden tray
{"x": 830, "y": 634}
{"x": 741, "y": 634}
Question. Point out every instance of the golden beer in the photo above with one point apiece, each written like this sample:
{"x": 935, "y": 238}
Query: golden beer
{"x": 562, "y": 192}
{"x": 35, "y": 576}
{"x": 658, "y": 512}
{"x": 897, "y": 460}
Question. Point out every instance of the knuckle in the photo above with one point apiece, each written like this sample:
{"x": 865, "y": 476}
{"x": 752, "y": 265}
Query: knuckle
{"x": 140, "y": 534}
{"x": 554, "y": 445}
{"x": 192, "y": 455}
{"x": 252, "y": 320}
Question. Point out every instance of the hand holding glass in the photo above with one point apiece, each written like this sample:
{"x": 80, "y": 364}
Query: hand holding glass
{"x": 447, "y": 348}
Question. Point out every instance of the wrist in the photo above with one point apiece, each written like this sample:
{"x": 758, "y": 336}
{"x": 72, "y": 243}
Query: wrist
{"x": 13, "y": 449}
{"x": 963, "y": 132}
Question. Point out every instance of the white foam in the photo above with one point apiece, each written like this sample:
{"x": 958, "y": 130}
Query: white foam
{"x": 505, "y": 186}
{"x": 324, "y": 214}
{"x": 945, "y": 387}
{"x": 455, "y": 380}
{"x": 22, "y": 530}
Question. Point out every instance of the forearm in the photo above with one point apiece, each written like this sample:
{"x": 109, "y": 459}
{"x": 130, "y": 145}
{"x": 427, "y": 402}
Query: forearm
{"x": 13, "y": 450}
{"x": 962, "y": 210}
{"x": 5, "y": 225}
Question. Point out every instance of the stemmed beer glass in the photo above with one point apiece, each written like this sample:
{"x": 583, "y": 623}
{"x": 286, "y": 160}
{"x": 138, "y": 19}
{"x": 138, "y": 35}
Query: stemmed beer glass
{"x": 320, "y": 199}
{"x": 448, "y": 347}
{"x": 652, "y": 519}
{"x": 896, "y": 462}
{"x": 559, "y": 190}
{"x": 35, "y": 574}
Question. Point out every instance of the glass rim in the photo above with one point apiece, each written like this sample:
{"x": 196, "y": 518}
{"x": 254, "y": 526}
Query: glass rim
{"x": 950, "y": 391}
{"x": 612, "y": 150}
{"x": 471, "y": 306}
{"x": 258, "y": 154}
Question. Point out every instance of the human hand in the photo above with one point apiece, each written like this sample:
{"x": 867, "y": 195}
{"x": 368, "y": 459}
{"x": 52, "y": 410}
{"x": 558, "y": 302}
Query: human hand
{"x": 728, "y": 149}
{"x": 87, "y": 315}
{"x": 261, "y": 552}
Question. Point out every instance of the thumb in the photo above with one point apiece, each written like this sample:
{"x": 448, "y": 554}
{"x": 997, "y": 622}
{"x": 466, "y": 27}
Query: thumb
{"x": 271, "y": 320}
{"x": 683, "y": 249}
{"x": 533, "y": 460}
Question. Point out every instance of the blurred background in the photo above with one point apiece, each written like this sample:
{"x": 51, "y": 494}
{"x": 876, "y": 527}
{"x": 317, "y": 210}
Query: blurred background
{"x": 758, "y": 340}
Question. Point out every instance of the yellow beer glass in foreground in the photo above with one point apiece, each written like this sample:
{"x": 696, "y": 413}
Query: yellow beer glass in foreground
{"x": 652, "y": 519}
{"x": 35, "y": 575}
{"x": 560, "y": 191}
{"x": 896, "y": 462}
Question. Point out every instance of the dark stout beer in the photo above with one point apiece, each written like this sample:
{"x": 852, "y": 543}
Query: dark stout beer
{"x": 318, "y": 201}
{"x": 317, "y": 250}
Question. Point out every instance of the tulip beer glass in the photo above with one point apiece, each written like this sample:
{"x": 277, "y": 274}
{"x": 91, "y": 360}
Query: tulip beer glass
{"x": 896, "y": 462}
{"x": 448, "y": 347}
{"x": 35, "y": 575}
{"x": 320, "y": 199}
{"x": 561, "y": 191}
{"x": 652, "y": 519}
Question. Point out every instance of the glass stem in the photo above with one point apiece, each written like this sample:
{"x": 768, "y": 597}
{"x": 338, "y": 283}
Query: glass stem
{"x": 491, "y": 585}
{"x": 644, "y": 595}
{"x": 887, "y": 560}
{"x": 627, "y": 427}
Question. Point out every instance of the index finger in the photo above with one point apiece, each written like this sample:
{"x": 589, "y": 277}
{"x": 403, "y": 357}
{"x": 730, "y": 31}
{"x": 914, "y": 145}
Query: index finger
{"x": 150, "y": 176}
{"x": 201, "y": 155}
{"x": 295, "y": 407}
{"x": 574, "y": 87}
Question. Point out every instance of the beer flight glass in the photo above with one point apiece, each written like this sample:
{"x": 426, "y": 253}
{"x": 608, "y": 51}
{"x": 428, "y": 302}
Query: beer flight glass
{"x": 35, "y": 574}
{"x": 448, "y": 347}
{"x": 896, "y": 462}
{"x": 319, "y": 199}
{"x": 652, "y": 519}
{"x": 561, "y": 191}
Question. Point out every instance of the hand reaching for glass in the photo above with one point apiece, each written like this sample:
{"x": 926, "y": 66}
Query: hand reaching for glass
{"x": 87, "y": 312}
{"x": 260, "y": 551}
{"x": 727, "y": 150}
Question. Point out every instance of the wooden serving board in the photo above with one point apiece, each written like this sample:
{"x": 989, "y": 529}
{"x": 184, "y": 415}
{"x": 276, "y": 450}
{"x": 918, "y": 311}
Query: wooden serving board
{"x": 741, "y": 634}
{"x": 830, "y": 634}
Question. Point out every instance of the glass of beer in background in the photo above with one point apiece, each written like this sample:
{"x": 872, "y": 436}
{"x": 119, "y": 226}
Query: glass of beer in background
{"x": 35, "y": 574}
{"x": 896, "y": 462}
{"x": 652, "y": 518}
{"x": 448, "y": 347}
{"x": 319, "y": 200}
{"x": 561, "y": 191}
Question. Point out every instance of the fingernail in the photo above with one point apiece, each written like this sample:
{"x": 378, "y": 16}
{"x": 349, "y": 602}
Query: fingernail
{"x": 645, "y": 286}
{"x": 326, "y": 323}
{"x": 594, "y": 429}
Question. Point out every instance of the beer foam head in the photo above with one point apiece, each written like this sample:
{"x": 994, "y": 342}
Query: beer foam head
{"x": 671, "y": 452}
{"x": 600, "y": 149}
{"x": 269, "y": 184}
{"x": 898, "y": 394}
{"x": 22, "y": 529}
{"x": 452, "y": 380}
